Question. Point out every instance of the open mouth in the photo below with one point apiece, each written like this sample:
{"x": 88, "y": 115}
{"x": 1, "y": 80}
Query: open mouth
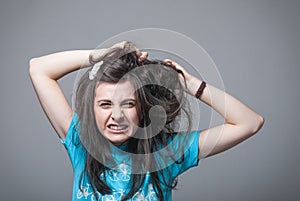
{"x": 114, "y": 128}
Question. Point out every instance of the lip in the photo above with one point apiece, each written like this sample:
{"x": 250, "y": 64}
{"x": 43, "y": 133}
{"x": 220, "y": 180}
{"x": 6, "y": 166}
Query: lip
{"x": 119, "y": 131}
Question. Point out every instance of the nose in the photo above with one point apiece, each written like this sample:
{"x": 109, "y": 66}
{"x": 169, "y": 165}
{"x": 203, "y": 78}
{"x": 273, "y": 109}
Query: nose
{"x": 117, "y": 114}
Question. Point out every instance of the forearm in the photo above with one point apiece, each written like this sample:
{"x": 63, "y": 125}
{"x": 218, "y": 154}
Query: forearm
{"x": 56, "y": 65}
{"x": 233, "y": 111}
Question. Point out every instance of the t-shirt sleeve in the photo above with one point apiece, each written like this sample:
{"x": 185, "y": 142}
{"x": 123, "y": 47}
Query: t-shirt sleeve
{"x": 188, "y": 143}
{"x": 72, "y": 142}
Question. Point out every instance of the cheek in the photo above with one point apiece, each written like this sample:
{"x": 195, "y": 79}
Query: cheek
{"x": 134, "y": 117}
{"x": 101, "y": 118}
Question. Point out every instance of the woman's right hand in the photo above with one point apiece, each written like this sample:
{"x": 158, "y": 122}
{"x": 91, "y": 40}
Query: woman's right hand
{"x": 97, "y": 54}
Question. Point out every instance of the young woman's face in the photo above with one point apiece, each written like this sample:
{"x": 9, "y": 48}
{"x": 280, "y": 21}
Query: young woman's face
{"x": 115, "y": 108}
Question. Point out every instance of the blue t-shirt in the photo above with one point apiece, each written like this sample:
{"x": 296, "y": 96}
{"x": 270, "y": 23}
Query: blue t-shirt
{"x": 118, "y": 178}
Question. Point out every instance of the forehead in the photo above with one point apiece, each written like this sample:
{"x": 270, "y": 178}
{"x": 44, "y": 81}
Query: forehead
{"x": 115, "y": 91}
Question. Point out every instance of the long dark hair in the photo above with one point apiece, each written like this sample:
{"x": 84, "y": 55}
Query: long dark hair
{"x": 159, "y": 86}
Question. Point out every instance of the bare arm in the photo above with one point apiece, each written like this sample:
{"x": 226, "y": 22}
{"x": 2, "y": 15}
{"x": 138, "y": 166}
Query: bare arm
{"x": 44, "y": 72}
{"x": 241, "y": 121}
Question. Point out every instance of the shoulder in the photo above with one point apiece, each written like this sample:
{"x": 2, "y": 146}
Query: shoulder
{"x": 72, "y": 134}
{"x": 184, "y": 149}
{"x": 72, "y": 143}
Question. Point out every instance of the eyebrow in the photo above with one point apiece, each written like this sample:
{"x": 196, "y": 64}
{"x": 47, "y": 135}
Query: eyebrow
{"x": 129, "y": 99}
{"x": 103, "y": 100}
{"x": 109, "y": 101}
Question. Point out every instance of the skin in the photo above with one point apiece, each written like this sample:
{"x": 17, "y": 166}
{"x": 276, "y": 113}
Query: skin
{"x": 241, "y": 122}
{"x": 116, "y": 114}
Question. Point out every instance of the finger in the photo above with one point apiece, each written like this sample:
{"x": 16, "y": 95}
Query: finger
{"x": 143, "y": 56}
{"x": 170, "y": 62}
{"x": 174, "y": 65}
{"x": 119, "y": 44}
{"x": 138, "y": 53}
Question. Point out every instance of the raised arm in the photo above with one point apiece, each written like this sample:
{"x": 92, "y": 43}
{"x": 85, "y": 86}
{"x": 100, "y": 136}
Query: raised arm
{"x": 241, "y": 121}
{"x": 44, "y": 72}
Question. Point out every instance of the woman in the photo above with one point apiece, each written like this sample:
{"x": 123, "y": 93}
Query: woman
{"x": 121, "y": 137}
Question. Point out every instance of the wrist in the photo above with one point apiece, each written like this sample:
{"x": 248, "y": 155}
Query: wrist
{"x": 192, "y": 85}
{"x": 200, "y": 90}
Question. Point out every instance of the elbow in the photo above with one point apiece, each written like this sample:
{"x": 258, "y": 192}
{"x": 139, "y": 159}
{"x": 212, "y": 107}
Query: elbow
{"x": 257, "y": 124}
{"x": 32, "y": 66}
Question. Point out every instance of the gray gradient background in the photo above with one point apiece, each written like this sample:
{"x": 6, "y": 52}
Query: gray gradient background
{"x": 255, "y": 45}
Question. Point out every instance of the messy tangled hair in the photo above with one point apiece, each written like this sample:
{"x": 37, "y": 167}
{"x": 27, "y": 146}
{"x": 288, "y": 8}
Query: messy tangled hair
{"x": 159, "y": 86}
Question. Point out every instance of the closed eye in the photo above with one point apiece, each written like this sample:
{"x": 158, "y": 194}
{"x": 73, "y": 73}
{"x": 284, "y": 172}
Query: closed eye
{"x": 105, "y": 105}
{"x": 129, "y": 104}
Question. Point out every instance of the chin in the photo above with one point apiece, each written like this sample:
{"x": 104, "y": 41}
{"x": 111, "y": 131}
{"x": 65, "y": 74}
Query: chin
{"x": 118, "y": 140}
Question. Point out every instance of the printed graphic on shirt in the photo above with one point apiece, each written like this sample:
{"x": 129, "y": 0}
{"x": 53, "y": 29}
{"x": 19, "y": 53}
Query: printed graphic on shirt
{"x": 119, "y": 174}
{"x": 86, "y": 193}
{"x": 151, "y": 196}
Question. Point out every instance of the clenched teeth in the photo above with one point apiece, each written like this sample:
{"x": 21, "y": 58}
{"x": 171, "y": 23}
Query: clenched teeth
{"x": 117, "y": 127}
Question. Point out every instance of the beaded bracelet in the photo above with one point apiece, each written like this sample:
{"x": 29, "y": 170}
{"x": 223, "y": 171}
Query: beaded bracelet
{"x": 200, "y": 89}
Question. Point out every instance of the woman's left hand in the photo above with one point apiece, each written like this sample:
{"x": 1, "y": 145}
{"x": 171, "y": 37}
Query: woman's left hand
{"x": 141, "y": 55}
{"x": 189, "y": 82}
{"x": 178, "y": 67}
